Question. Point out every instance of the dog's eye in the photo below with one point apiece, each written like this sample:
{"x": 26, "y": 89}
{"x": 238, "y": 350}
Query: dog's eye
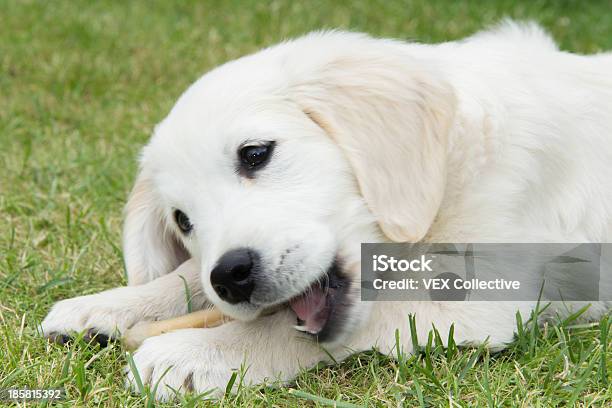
{"x": 182, "y": 221}
{"x": 255, "y": 156}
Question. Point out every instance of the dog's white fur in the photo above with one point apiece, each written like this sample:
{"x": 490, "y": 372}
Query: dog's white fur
{"x": 500, "y": 137}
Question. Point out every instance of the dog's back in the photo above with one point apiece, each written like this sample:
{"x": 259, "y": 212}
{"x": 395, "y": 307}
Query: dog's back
{"x": 533, "y": 142}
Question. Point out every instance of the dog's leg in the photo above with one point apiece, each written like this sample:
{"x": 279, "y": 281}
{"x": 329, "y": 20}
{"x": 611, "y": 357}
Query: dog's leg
{"x": 109, "y": 313}
{"x": 203, "y": 359}
{"x": 270, "y": 348}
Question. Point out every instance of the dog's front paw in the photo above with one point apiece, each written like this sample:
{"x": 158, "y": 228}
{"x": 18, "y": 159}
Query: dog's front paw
{"x": 179, "y": 362}
{"x": 101, "y": 316}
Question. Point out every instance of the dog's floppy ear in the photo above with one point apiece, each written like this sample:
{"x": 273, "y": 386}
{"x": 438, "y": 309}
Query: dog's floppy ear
{"x": 391, "y": 117}
{"x": 150, "y": 248}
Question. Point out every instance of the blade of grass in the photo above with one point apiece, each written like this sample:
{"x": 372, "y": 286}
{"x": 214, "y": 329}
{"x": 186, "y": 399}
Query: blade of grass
{"x": 136, "y": 374}
{"x": 187, "y": 294}
{"x": 230, "y": 383}
{"x": 451, "y": 349}
{"x": 322, "y": 400}
{"x": 413, "y": 334}
{"x": 604, "y": 327}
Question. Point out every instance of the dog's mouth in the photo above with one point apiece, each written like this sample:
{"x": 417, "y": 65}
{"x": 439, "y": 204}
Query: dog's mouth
{"x": 320, "y": 309}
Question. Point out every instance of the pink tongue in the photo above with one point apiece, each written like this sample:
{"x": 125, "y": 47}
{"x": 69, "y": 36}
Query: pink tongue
{"x": 311, "y": 309}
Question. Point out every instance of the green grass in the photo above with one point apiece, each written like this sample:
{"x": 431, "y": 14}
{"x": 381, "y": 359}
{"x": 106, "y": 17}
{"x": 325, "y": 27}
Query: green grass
{"x": 82, "y": 84}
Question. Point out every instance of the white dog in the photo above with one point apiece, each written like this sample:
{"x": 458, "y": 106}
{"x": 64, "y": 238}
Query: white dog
{"x": 269, "y": 172}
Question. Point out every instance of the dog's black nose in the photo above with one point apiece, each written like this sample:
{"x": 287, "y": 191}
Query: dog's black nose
{"x": 232, "y": 278}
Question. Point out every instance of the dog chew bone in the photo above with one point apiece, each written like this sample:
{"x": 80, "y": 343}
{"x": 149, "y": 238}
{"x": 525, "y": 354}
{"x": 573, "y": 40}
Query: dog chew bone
{"x": 133, "y": 337}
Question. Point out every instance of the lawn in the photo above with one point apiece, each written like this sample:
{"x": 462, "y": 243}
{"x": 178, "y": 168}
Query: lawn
{"x": 81, "y": 86}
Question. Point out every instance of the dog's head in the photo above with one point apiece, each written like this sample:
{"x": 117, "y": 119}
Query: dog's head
{"x": 272, "y": 169}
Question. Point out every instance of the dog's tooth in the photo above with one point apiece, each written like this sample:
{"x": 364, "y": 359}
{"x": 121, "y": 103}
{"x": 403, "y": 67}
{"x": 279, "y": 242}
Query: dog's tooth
{"x": 305, "y": 329}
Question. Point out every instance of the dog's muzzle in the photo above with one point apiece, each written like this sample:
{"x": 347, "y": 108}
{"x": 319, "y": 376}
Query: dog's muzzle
{"x": 320, "y": 309}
